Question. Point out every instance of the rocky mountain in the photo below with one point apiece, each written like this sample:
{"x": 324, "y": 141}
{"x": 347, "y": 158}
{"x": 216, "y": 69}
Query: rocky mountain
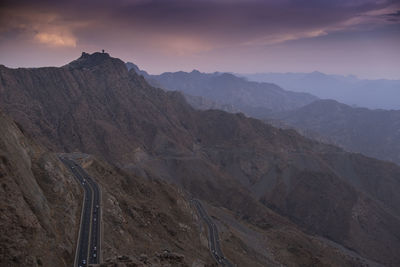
{"x": 374, "y": 94}
{"x": 375, "y": 133}
{"x": 224, "y": 89}
{"x": 41, "y": 207}
{"x": 278, "y": 198}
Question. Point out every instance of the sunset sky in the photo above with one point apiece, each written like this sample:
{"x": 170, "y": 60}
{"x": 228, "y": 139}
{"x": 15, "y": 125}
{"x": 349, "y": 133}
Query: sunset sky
{"x": 360, "y": 37}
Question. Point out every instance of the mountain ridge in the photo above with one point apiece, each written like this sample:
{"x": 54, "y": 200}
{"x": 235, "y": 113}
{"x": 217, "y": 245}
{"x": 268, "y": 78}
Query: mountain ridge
{"x": 252, "y": 98}
{"x": 373, "y": 94}
{"x": 372, "y": 132}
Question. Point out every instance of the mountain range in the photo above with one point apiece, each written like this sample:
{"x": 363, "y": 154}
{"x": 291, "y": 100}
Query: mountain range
{"x": 350, "y": 90}
{"x": 228, "y": 92}
{"x": 375, "y": 133}
{"x": 278, "y": 198}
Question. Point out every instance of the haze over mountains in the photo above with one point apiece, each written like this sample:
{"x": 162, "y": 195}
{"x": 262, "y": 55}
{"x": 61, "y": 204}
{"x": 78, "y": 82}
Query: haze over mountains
{"x": 105, "y": 163}
{"x": 350, "y": 90}
{"x": 228, "y": 92}
{"x": 278, "y": 197}
{"x": 375, "y": 133}
{"x": 372, "y": 132}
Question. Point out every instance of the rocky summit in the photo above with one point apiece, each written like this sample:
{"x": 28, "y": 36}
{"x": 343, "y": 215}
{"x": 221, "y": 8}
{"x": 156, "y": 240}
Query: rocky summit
{"x": 276, "y": 197}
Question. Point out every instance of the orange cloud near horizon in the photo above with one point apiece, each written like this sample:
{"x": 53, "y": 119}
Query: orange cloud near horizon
{"x": 56, "y": 40}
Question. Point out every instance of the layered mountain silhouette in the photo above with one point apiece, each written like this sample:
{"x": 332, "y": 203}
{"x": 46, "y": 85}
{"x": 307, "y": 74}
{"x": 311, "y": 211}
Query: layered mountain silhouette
{"x": 278, "y": 197}
{"x": 228, "y": 92}
{"x": 375, "y": 133}
{"x": 373, "y": 94}
{"x": 371, "y": 132}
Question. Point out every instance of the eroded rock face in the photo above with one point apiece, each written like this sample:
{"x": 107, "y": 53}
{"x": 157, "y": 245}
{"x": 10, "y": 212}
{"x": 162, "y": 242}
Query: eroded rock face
{"x": 39, "y": 203}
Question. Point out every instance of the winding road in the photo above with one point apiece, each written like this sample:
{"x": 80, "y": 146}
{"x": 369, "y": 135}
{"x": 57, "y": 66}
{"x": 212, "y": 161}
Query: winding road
{"x": 214, "y": 239}
{"x": 88, "y": 249}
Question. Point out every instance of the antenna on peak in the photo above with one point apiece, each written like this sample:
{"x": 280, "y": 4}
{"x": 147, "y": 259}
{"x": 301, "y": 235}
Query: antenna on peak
{"x": 102, "y": 51}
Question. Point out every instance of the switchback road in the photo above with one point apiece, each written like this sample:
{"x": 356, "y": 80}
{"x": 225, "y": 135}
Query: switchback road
{"x": 213, "y": 235}
{"x": 89, "y": 242}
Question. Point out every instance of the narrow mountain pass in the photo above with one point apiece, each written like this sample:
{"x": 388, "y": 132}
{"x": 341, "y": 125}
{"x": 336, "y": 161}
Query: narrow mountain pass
{"x": 88, "y": 249}
{"x": 214, "y": 239}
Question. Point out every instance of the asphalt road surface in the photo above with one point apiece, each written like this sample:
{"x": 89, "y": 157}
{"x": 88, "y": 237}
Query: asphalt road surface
{"x": 213, "y": 235}
{"x": 88, "y": 247}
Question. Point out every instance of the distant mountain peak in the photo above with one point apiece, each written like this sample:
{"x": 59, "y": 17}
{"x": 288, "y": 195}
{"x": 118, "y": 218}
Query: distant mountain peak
{"x": 230, "y": 76}
{"x": 317, "y": 74}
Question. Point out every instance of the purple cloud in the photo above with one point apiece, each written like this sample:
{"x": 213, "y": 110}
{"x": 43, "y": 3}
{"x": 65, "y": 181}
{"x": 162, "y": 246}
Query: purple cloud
{"x": 187, "y": 29}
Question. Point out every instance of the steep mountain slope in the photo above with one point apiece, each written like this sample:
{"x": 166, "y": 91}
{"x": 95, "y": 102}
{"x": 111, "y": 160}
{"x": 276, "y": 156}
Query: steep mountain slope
{"x": 143, "y": 218}
{"x": 98, "y": 108}
{"x": 320, "y": 188}
{"x": 39, "y": 202}
{"x": 269, "y": 178}
{"x": 41, "y": 207}
{"x": 350, "y": 90}
{"x": 375, "y": 133}
{"x": 252, "y": 98}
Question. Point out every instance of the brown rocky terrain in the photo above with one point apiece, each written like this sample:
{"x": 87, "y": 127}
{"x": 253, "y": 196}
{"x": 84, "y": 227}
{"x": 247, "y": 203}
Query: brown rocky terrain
{"x": 41, "y": 206}
{"x": 40, "y": 203}
{"x": 146, "y": 219}
{"x": 305, "y": 198}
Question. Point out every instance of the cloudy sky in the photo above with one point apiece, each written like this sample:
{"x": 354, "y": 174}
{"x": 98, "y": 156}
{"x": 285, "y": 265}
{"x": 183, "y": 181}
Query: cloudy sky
{"x": 360, "y": 37}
